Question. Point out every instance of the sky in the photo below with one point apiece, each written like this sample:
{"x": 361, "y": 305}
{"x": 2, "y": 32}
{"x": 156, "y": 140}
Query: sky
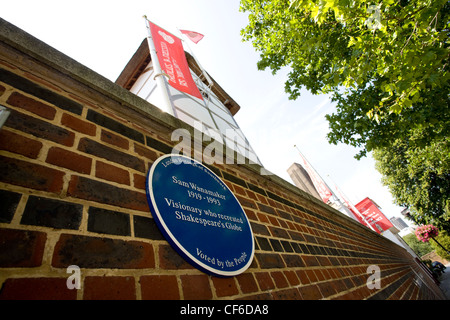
{"x": 103, "y": 35}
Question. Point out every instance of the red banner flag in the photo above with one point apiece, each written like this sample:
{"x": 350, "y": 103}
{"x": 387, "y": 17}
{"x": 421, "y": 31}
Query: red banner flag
{"x": 192, "y": 35}
{"x": 373, "y": 215}
{"x": 172, "y": 59}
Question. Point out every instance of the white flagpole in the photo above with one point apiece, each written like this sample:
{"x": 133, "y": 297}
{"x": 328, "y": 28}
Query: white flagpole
{"x": 316, "y": 173}
{"x": 345, "y": 199}
{"x": 210, "y": 82}
{"x": 167, "y": 107}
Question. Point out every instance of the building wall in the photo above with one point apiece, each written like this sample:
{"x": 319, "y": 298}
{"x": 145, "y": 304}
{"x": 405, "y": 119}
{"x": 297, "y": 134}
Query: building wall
{"x": 74, "y": 156}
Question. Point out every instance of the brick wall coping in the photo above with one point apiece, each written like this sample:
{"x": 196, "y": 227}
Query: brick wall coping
{"x": 126, "y": 103}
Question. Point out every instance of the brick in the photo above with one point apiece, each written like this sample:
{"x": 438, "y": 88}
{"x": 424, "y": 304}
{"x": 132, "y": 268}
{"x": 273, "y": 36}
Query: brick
{"x": 246, "y": 202}
{"x": 239, "y": 190}
{"x": 20, "y": 248}
{"x": 9, "y": 201}
{"x": 52, "y": 213}
{"x": 247, "y": 283}
{"x": 78, "y": 124}
{"x": 262, "y": 217}
{"x": 287, "y": 294}
{"x": 293, "y": 261}
{"x": 296, "y": 235}
{"x": 303, "y": 276}
{"x": 259, "y": 229}
{"x": 109, "y": 222}
{"x": 139, "y": 181}
{"x": 265, "y": 281}
{"x": 312, "y": 276}
{"x": 112, "y": 173}
{"x": 286, "y": 246}
{"x": 114, "y": 126}
{"x": 196, "y": 287}
{"x": 39, "y": 128}
{"x": 323, "y": 261}
{"x": 234, "y": 179}
{"x": 291, "y": 276}
{"x": 266, "y": 209}
{"x": 269, "y": 260}
{"x": 251, "y": 215}
{"x": 327, "y": 289}
{"x": 256, "y": 189}
{"x": 310, "y": 292}
{"x": 296, "y": 247}
{"x": 279, "y": 278}
{"x": 310, "y": 261}
{"x": 97, "y": 149}
{"x": 225, "y": 287}
{"x": 158, "y": 145}
{"x": 285, "y": 215}
{"x": 30, "y": 175}
{"x": 114, "y": 139}
{"x": 276, "y": 245}
{"x": 94, "y": 252}
{"x": 92, "y": 190}
{"x": 159, "y": 287}
{"x": 16, "y": 143}
{"x": 279, "y": 233}
{"x": 43, "y": 110}
{"x": 109, "y": 288}
{"x": 273, "y": 221}
{"x": 145, "y": 227}
{"x": 169, "y": 259}
{"x": 145, "y": 152}
{"x": 40, "y": 92}
{"x": 251, "y": 194}
{"x": 69, "y": 160}
{"x": 263, "y": 243}
{"x": 37, "y": 289}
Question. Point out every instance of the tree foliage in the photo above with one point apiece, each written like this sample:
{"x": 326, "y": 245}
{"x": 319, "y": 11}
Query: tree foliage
{"x": 419, "y": 178}
{"x": 420, "y": 248}
{"x": 444, "y": 239}
{"x": 386, "y": 65}
{"x": 376, "y": 60}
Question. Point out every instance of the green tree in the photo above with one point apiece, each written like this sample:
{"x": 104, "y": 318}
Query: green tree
{"x": 419, "y": 247}
{"x": 444, "y": 239}
{"x": 418, "y": 178}
{"x": 386, "y": 66}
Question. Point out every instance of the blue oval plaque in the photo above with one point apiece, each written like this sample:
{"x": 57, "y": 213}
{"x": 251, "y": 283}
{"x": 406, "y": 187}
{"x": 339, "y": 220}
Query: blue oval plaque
{"x": 199, "y": 216}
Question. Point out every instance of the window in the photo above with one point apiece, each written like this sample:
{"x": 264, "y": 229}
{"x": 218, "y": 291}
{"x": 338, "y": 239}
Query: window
{"x": 210, "y": 111}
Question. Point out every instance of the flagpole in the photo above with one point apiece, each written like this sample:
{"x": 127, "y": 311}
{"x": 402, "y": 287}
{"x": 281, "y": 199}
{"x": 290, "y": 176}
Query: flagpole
{"x": 345, "y": 199}
{"x": 315, "y": 171}
{"x": 159, "y": 74}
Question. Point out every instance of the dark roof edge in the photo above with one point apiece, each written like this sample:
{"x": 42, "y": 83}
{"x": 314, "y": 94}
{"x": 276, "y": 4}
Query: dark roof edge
{"x": 140, "y": 59}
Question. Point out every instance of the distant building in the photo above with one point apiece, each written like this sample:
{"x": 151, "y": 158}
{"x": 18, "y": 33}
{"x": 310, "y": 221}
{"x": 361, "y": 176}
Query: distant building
{"x": 399, "y": 223}
{"x": 302, "y": 180}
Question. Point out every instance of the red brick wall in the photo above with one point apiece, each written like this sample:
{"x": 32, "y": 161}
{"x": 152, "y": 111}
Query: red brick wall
{"x": 73, "y": 163}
